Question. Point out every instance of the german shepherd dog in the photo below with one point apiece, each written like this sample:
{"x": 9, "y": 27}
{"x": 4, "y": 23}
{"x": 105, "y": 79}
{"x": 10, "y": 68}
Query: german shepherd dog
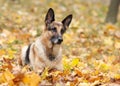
{"x": 46, "y": 51}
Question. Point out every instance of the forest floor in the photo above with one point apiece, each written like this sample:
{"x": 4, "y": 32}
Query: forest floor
{"x": 91, "y": 48}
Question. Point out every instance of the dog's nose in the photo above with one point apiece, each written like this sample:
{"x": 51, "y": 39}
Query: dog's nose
{"x": 60, "y": 40}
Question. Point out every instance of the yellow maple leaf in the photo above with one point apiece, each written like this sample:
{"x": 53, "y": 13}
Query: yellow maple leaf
{"x": 7, "y": 77}
{"x": 117, "y": 76}
{"x": 44, "y": 74}
{"x": 104, "y": 67}
{"x": 65, "y": 62}
{"x": 2, "y": 52}
{"x": 74, "y": 62}
{"x": 2, "y": 78}
{"x": 11, "y": 53}
{"x": 31, "y": 79}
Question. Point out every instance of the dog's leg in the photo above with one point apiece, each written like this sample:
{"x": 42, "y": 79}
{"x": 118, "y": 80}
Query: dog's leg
{"x": 38, "y": 70}
{"x": 36, "y": 63}
{"x": 38, "y": 67}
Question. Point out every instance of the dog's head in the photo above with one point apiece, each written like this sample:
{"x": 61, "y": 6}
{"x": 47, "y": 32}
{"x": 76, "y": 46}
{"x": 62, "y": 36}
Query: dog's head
{"x": 56, "y": 29}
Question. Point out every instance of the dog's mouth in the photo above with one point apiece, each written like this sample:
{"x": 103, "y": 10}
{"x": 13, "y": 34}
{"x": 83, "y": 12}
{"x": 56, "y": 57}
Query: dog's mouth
{"x": 56, "y": 40}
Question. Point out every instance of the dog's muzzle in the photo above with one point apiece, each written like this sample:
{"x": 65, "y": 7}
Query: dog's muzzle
{"x": 56, "y": 39}
{"x": 60, "y": 40}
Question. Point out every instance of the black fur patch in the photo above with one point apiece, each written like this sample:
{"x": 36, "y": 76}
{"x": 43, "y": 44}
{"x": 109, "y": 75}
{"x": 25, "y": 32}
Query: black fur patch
{"x": 27, "y": 60}
{"x": 51, "y": 57}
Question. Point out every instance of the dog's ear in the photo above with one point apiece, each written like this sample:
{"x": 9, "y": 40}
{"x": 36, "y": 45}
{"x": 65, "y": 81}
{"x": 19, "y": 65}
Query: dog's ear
{"x": 66, "y": 21}
{"x": 49, "y": 16}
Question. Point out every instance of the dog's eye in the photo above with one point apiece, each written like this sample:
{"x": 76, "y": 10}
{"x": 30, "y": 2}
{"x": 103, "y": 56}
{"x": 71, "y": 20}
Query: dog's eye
{"x": 62, "y": 31}
{"x": 54, "y": 29}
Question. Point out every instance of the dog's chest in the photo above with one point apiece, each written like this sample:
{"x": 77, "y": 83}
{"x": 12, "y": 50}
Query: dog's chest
{"x": 46, "y": 57}
{"x": 51, "y": 57}
{"x": 53, "y": 52}
{"x": 47, "y": 53}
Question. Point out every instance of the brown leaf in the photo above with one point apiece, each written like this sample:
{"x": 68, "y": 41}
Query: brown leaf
{"x": 18, "y": 77}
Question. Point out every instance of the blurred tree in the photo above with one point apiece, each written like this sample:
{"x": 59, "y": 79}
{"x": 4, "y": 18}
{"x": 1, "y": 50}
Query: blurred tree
{"x": 113, "y": 11}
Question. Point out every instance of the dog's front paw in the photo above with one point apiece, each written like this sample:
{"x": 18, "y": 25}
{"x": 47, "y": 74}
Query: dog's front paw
{"x": 38, "y": 70}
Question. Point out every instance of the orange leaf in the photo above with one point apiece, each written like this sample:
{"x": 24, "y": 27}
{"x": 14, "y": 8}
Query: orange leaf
{"x": 31, "y": 79}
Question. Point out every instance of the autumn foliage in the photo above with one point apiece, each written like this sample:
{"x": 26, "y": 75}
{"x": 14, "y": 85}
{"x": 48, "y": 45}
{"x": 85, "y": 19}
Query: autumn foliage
{"x": 91, "y": 48}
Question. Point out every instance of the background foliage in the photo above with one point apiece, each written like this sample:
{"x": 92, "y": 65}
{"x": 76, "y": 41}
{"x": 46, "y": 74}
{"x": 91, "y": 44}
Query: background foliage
{"x": 91, "y": 48}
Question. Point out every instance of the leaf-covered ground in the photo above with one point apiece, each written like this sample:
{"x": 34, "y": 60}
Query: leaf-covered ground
{"x": 91, "y": 48}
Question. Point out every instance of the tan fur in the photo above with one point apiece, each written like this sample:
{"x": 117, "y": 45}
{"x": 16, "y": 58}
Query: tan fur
{"x": 43, "y": 49}
{"x": 39, "y": 53}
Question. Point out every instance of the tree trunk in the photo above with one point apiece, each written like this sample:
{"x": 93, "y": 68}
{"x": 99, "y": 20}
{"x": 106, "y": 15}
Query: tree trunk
{"x": 113, "y": 11}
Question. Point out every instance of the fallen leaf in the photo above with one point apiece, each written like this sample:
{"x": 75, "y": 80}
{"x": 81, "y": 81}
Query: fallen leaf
{"x": 31, "y": 79}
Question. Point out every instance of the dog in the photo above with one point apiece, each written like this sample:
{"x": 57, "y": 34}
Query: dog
{"x": 46, "y": 51}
